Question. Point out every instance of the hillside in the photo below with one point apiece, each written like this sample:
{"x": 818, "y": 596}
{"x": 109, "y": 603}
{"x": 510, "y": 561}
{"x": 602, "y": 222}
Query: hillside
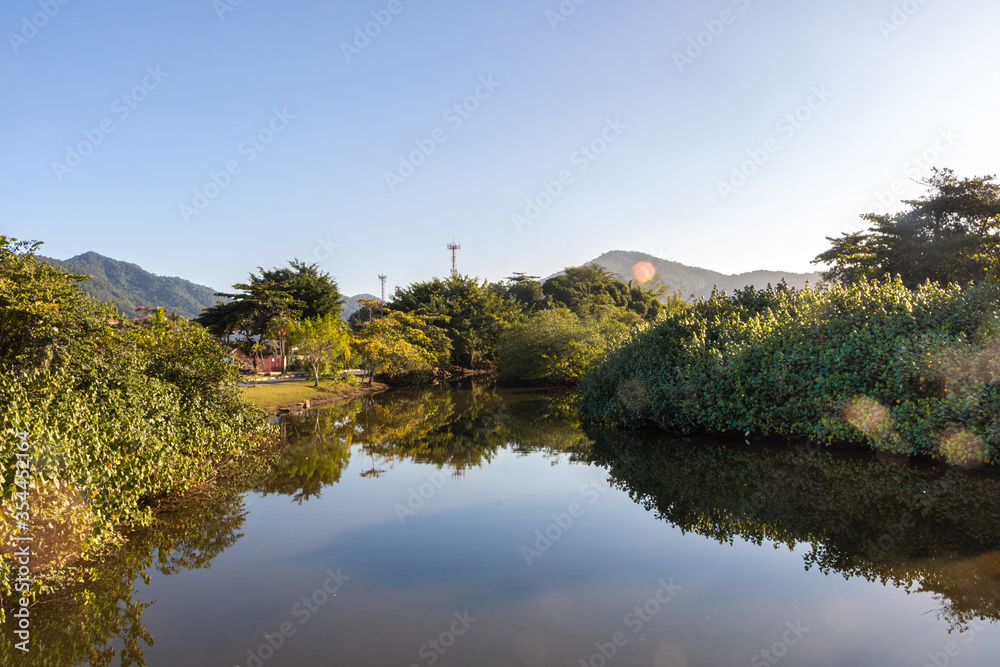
{"x": 692, "y": 280}
{"x": 129, "y": 285}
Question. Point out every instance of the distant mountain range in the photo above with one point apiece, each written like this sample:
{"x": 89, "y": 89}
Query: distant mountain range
{"x": 699, "y": 282}
{"x": 129, "y": 286}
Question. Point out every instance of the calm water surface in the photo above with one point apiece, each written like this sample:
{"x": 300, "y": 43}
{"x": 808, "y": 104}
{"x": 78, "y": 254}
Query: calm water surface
{"x": 482, "y": 527}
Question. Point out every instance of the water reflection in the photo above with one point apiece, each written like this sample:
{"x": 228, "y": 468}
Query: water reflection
{"x": 917, "y": 527}
{"x": 97, "y": 619}
{"x": 456, "y": 430}
{"x": 920, "y": 527}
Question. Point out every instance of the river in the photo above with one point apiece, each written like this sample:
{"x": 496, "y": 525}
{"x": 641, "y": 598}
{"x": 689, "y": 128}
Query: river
{"x": 479, "y": 526}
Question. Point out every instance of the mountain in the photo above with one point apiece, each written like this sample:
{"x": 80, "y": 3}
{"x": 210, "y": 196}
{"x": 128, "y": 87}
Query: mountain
{"x": 128, "y": 286}
{"x": 351, "y": 305}
{"x": 692, "y": 280}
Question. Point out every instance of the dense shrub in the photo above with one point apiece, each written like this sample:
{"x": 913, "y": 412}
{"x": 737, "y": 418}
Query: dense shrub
{"x": 914, "y": 372}
{"x": 558, "y": 346}
{"x": 113, "y": 414}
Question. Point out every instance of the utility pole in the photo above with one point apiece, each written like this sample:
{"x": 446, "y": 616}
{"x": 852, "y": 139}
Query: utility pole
{"x": 383, "y": 277}
{"x": 454, "y": 247}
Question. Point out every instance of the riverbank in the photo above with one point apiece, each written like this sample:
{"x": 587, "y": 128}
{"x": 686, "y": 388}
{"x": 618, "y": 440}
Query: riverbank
{"x": 279, "y": 396}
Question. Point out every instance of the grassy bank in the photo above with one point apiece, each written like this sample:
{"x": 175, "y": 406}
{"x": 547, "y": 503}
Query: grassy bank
{"x": 274, "y": 394}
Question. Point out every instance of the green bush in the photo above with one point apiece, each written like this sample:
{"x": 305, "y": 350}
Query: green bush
{"x": 558, "y": 346}
{"x": 114, "y": 414}
{"x": 915, "y": 372}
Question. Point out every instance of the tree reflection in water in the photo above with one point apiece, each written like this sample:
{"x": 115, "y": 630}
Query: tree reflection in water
{"x": 921, "y": 527}
{"x": 101, "y": 606}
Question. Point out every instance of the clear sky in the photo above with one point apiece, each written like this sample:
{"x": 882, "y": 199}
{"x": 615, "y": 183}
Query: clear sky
{"x": 205, "y": 138}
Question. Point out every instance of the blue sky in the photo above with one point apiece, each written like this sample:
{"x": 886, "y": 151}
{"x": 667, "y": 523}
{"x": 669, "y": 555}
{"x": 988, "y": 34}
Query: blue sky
{"x": 205, "y": 138}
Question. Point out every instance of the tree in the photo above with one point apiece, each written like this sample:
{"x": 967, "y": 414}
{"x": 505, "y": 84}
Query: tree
{"x": 368, "y": 309}
{"x": 300, "y": 291}
{"x": 473, "y": 314}
{"x": 525, "y": 291}
{"x": 399, "y": 343}
{"x": 586, "y": 288}
{"x": 322, "y": 342}
{"x": 951, "y": 234}
{"x": 46, "y": 320}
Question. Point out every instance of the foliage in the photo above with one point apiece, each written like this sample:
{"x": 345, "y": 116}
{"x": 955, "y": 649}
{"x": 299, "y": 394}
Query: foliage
{"x": 400, "y": 345}
{"x": 587, "y": 288}
{"x": 367, "y": 310}
{"x": 951, "y": 234}
{"x": 297, "y": 292}
{"x": 472, "y": 314}
{"x": 115, "y": 413}
{"x": 558, "y": 346}
{"x": 323, "y": 343}
{"x": 915, "y": 372}
{"x": 525, "y": 291}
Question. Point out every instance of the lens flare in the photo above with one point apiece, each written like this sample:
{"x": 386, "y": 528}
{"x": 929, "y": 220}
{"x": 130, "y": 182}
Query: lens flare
{"x": 643, "y": 272}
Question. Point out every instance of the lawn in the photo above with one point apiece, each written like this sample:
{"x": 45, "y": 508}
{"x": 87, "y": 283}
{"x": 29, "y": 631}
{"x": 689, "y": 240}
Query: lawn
{"x": 275, "y": 394}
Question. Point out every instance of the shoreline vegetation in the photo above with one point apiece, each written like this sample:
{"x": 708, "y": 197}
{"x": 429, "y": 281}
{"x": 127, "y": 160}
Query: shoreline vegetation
{"x": 870, "y": 364}
{"x": 898, "y": 350}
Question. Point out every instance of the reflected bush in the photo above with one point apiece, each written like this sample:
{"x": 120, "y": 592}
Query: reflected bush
{"x": 931, "y": 528}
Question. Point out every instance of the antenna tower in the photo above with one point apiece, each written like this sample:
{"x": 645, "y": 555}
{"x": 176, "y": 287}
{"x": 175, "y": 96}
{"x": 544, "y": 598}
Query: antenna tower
{"x": 454, "y": 247}
{"x": 383, "y": 277}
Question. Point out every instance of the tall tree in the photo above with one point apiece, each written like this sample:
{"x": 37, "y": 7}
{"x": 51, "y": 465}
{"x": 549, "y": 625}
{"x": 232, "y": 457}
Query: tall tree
{"x": 473, "y": 314}
{"x": 399, "y": 343}
{"x": 525, "y": 291}
{"x": 951, "y": 234}
{"x": 299, "y": 291}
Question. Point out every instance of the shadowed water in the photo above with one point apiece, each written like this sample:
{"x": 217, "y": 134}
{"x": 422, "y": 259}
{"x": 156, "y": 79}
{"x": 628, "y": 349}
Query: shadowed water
{"x": 482, "y": 526}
